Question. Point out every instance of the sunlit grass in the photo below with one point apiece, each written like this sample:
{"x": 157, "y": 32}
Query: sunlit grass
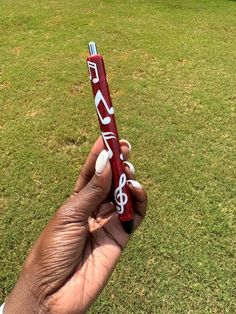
{"x": 171, "y": 67}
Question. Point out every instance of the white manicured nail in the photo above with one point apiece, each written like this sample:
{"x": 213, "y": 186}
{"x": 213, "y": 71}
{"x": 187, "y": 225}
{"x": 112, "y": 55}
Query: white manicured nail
{"x": 126, "y": 142}
{"x": 131, "y": 167}
{"x": 101, "y": 162}
{"x": 135, "y": 184}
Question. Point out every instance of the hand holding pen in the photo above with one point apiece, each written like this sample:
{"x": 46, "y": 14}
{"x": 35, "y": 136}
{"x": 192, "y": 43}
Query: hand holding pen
{"x": 75, "y": 255}
{"x": 78, "y": 250}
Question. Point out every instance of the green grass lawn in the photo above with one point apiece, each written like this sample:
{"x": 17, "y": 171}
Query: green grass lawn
{"x": 171, "y": 67}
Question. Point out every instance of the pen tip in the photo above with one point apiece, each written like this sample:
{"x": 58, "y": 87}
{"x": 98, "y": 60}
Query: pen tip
{"x": 128, "y": 226}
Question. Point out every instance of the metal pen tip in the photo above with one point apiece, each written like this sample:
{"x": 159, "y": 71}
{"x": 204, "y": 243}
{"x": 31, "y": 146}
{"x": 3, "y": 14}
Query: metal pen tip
{"x": 92, "y": 48}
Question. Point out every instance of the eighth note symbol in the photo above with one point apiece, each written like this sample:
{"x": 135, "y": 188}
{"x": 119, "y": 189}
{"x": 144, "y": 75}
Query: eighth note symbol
{"x": 99, "y": 97}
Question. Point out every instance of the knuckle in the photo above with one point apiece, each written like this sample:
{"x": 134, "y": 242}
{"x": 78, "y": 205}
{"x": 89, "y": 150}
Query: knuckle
{"x": 66, "y": 215}
{"x": 85, "y": 174}
{"x": 94, "y": 187}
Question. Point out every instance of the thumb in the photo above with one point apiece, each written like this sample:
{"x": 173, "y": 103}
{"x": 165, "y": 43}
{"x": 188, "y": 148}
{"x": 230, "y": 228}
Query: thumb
{"x": 83, "y": 204}
{"x": 58, "y": 251}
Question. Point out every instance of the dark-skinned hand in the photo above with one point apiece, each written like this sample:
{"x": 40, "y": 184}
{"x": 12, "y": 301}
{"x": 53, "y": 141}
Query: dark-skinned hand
{"x": 78, "y": 250}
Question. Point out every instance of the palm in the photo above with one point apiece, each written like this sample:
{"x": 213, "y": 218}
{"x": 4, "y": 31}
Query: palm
{"x": 105, "y": 241}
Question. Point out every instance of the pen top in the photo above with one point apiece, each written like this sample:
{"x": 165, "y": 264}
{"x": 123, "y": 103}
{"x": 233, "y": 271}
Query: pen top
{"x": 92, "y": 48}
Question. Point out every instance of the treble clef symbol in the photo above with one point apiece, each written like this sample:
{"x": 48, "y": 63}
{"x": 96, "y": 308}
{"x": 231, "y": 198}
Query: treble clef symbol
{"x": 120, "y": 197}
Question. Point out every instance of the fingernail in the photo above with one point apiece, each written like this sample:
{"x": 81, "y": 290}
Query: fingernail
{"x": 127, "y": 143}
{"x": 101, "y": 162}
{"x": 135, "y": 184}
{"x": 131, "y": 167}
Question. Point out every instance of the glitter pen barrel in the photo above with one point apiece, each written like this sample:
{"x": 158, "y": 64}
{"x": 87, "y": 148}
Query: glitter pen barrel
{"x": 107, "y": 123}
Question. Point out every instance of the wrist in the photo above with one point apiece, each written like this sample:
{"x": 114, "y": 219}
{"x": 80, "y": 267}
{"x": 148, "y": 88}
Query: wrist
{"x": 21, "y": 300}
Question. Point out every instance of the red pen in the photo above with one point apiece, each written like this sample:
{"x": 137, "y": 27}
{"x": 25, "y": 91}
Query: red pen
{"x": 106, "y": 118}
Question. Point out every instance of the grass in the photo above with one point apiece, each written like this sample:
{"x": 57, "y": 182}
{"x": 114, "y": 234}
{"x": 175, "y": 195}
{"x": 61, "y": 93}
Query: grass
{"x": 171, "y": 66}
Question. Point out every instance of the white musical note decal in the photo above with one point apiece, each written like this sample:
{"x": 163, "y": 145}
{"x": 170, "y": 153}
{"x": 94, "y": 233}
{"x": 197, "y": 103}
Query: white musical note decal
{"x": 99, "y": 97}
{"x": 107, "y": 136}
{"x": 120, "y": 197}
{"x": 92, "y": 65}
